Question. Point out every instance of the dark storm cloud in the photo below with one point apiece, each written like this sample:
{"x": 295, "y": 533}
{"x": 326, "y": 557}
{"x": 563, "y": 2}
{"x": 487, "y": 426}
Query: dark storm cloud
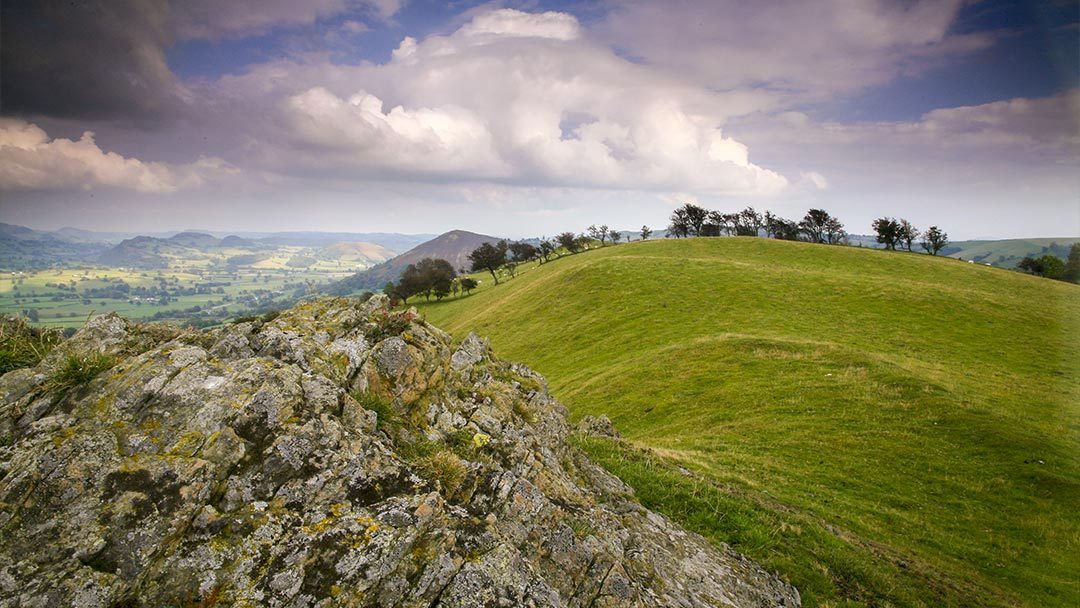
{"x": 85, "y": 59}
{"x": 105, "y": 59}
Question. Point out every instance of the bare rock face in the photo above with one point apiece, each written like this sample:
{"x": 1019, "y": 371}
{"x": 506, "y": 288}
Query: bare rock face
{"x": 338, "y": 455}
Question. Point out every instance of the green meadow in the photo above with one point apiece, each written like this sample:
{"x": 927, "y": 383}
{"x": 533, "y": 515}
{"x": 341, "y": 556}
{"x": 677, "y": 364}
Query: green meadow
{"x": 882, "y": 428}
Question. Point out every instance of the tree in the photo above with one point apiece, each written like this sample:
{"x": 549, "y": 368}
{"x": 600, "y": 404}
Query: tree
{"x": 906, "y": 234}
{"x": 714, "y": 223}
{"x": 814, "y": 225}
{"x": 888, "y": 232}
{"x": 1072, "y": 265}
{"x": 523, "y": 252}
{"x": 391, "y": 292}
{"x": 748, "y": 222}
{"x": 489, "y": 257}
{"x": 1049, "y": 266}
{"x": 546, "y": 249}
{"x": 511, "y": 268}
{"x": 468, "y": 284}
{"x": 688, "y": 220}
{"x": 615, "y": 235}
{"x": 679, "y": 226}
{"x": 779, "y": 228}
{"x": 570, "y": 241}
{"x": 934, "y": 240}
{"x": 599, "y": 233}
{"x": 645, "y": 232}
{"x": 834, "y": 231}
{"x": 410, "y": 284}
{"x": 436, "y": 276}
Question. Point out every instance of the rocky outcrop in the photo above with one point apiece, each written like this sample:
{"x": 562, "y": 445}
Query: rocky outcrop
{"x": 340, "y": 454}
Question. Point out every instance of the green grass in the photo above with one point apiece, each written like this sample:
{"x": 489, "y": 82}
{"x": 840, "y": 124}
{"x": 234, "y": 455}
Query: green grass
{"x": 78, "y": 369}
{"x": 882, "y": 428}
{"x": 23, "y": 345}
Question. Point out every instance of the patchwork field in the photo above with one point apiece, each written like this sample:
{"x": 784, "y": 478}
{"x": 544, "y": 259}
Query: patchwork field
{"x": 65, "y": 297}
{"x": 883, "y": 428}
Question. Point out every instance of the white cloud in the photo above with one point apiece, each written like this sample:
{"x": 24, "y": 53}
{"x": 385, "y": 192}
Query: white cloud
{"x": 29, "y": 159}
{"x": 447, "y": 139}
{"x": 510, "y": 22}
{"x": 519, "y": 98}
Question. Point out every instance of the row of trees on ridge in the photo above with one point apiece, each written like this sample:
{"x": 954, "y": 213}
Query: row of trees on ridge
{"x": 817, "y": 226}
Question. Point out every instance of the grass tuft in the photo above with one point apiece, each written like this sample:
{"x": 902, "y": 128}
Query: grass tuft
{"x": 78, "y": 369}
{"x": 23, "y": 345}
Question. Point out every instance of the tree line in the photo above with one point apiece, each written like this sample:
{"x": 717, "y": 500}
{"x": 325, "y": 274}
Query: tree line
{"x": 437, "y": 277}
{"x": 817, "y": 226}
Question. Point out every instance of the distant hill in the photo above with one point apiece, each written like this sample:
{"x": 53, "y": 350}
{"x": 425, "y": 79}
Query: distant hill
{"x": 23, "y": 248}
{"x": 454, "y": 247}
{"x": 1003, "y": 253}
{"x": 154, "y": 252}
{"x": 1008, "y": 253}
{"x": 882, "y": 428}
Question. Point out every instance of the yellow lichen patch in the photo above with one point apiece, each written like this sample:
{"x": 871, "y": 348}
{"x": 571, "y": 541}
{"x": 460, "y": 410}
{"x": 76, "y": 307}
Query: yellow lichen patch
{"x": 63, "y": 435}
{"x": 188, "y": 444}
{"x": 361, "y": 539}
{"x": 479, "y": 440}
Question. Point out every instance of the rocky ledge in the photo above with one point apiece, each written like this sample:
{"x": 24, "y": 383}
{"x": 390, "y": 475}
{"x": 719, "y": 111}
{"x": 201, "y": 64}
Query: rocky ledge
{"x": 340, "y": 454}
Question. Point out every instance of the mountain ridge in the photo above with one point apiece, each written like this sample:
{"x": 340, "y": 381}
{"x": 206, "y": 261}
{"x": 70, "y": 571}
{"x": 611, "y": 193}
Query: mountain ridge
{"x": 453, "y": 246}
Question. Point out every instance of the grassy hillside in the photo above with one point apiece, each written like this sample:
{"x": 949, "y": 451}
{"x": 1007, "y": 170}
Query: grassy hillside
{"x": 1008, "y": 253}
{"x": 883, "y": 428}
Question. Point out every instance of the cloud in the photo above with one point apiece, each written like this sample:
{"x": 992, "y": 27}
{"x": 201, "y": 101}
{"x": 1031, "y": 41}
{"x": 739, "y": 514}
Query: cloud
{"x": 510, "y": 22}
{"x": 29, "y": 159}
{"x": 214, "y": 19}
{"x": 1038, "y": 129}
{"x": 442, "y": 140}
{"x": 515, "y": 97}
{"x": 105, "y": 59}
{"x": 85, "y": 59}
{"x": 803, "y": 50}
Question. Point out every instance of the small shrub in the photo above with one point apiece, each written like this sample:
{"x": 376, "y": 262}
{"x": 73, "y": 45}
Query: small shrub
{"x": 388, "y": 324}
{"x": 76, "y": 370}
{"x": 23, "y": 345}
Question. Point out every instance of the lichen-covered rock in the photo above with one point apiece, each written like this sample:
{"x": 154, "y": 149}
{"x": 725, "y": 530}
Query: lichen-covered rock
{"x": 597, "y": 427}
{"x": 340, "y": 454}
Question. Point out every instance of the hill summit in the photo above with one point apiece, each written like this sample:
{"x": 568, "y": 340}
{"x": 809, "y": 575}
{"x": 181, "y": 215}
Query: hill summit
{"x": 339, "y": 454}
{"x": 454, "y": 247}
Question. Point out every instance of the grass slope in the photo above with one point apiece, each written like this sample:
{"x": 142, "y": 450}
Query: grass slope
{"x": 882, "y": 428}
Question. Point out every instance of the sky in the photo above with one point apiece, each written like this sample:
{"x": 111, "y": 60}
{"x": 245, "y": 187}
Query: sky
{"x": 528, "y": 118}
